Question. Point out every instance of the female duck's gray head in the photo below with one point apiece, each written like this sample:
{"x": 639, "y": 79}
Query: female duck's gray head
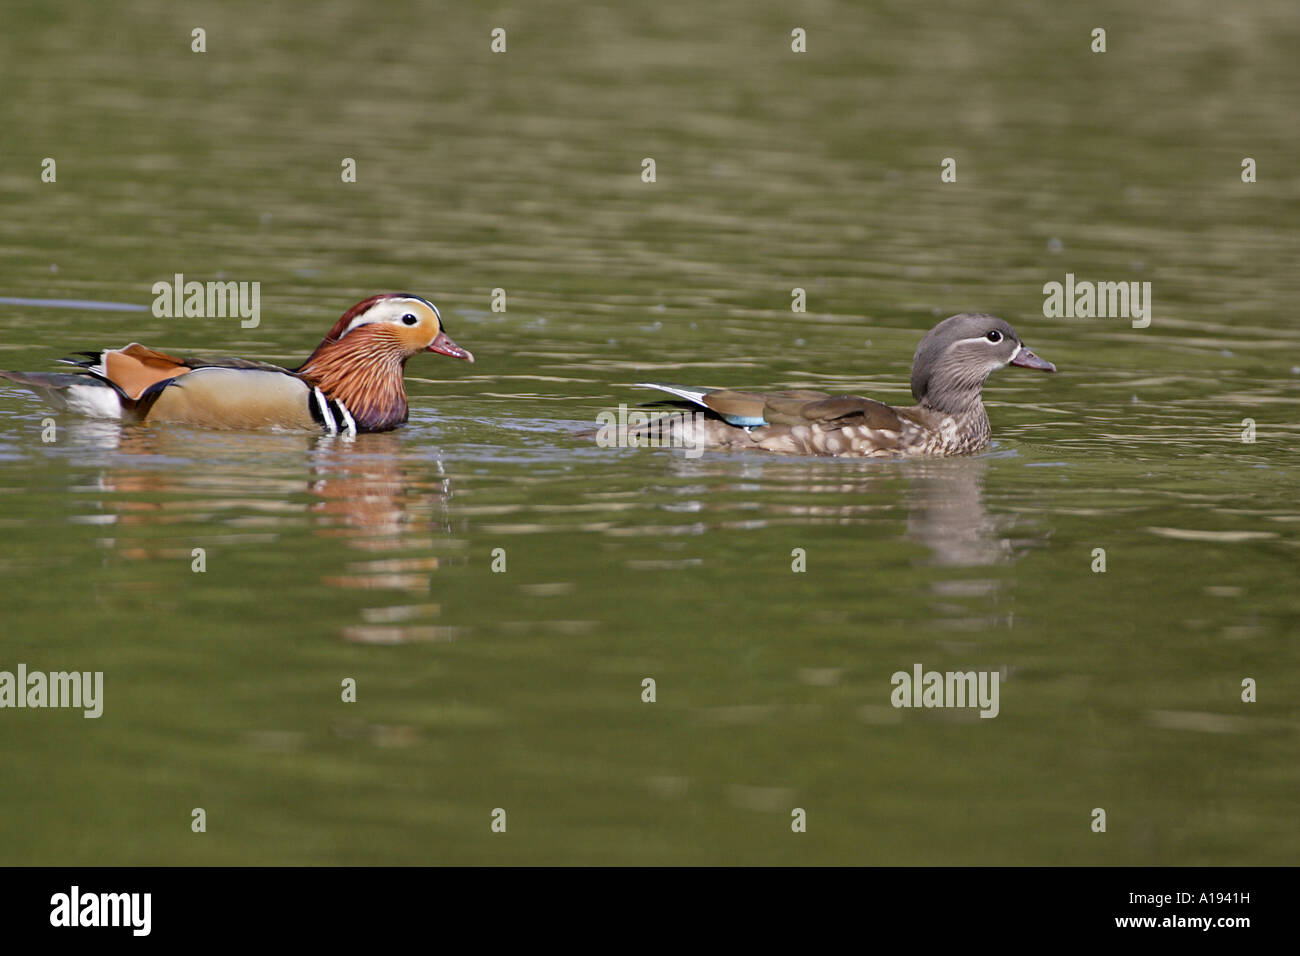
{"x": 959, "y": 353}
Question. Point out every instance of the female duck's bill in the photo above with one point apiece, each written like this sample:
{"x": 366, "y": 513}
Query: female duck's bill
{"x": 1027, "y": 359}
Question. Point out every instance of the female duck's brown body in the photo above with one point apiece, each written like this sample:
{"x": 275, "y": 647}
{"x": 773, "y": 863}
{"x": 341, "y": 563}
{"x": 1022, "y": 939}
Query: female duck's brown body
{"x": 351, "y": 383}
{"x": 948, "y": 374}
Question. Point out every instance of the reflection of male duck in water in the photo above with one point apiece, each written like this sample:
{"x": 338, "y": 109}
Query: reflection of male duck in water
{"x": 363, "y": 490}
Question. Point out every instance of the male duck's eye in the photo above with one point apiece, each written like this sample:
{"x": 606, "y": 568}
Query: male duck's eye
{"x": 409, "y": 319}
{"x": 994, "y": 336}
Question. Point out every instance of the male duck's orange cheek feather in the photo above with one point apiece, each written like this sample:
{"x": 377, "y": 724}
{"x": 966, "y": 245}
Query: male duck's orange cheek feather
{"x": 363, "y": 371}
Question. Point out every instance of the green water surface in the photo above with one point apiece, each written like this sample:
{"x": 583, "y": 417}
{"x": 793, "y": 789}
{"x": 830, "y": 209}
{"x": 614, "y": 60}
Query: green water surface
{"x": 522, "y": 689}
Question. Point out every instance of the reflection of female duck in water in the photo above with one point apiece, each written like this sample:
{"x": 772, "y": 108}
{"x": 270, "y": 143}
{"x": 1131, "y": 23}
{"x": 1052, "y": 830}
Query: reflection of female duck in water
{"x": 946, "y": 513}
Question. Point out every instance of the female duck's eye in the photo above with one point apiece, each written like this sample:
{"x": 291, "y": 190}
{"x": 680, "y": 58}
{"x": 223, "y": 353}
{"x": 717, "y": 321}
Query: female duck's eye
{"x": 994, "y": 336}
{"x": 409, "y": 319}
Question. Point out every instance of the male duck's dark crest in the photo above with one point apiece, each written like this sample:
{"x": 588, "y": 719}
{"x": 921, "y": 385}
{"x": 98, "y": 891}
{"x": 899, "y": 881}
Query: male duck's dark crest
{"x": 351, "y": 383}
{"x": 949, "y": 369}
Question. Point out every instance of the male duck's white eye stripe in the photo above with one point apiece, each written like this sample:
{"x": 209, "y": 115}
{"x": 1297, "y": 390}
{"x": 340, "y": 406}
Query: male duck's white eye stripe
{"x": 366, "y": 319}
{"x": 360, "y": 320}
{"x": 326, "y": 416}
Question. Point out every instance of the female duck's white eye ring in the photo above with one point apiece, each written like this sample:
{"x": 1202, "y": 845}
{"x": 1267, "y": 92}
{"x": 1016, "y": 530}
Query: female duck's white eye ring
{"x": 994, "y": 336}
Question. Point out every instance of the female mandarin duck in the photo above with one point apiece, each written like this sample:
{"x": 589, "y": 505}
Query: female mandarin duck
{"x": 948, "y": 373}
{"x": 351, "y": 383}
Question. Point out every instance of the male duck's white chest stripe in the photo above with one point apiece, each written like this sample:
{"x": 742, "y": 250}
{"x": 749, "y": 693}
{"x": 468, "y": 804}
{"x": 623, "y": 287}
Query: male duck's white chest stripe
{"x": 323, "y": 413}
{"x": 332, "y": 414}
{"x": 348, "y": 423}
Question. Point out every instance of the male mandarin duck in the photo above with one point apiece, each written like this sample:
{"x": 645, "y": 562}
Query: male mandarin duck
{"x": 948, "y": 373}
{"x": 351, "y": 383}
